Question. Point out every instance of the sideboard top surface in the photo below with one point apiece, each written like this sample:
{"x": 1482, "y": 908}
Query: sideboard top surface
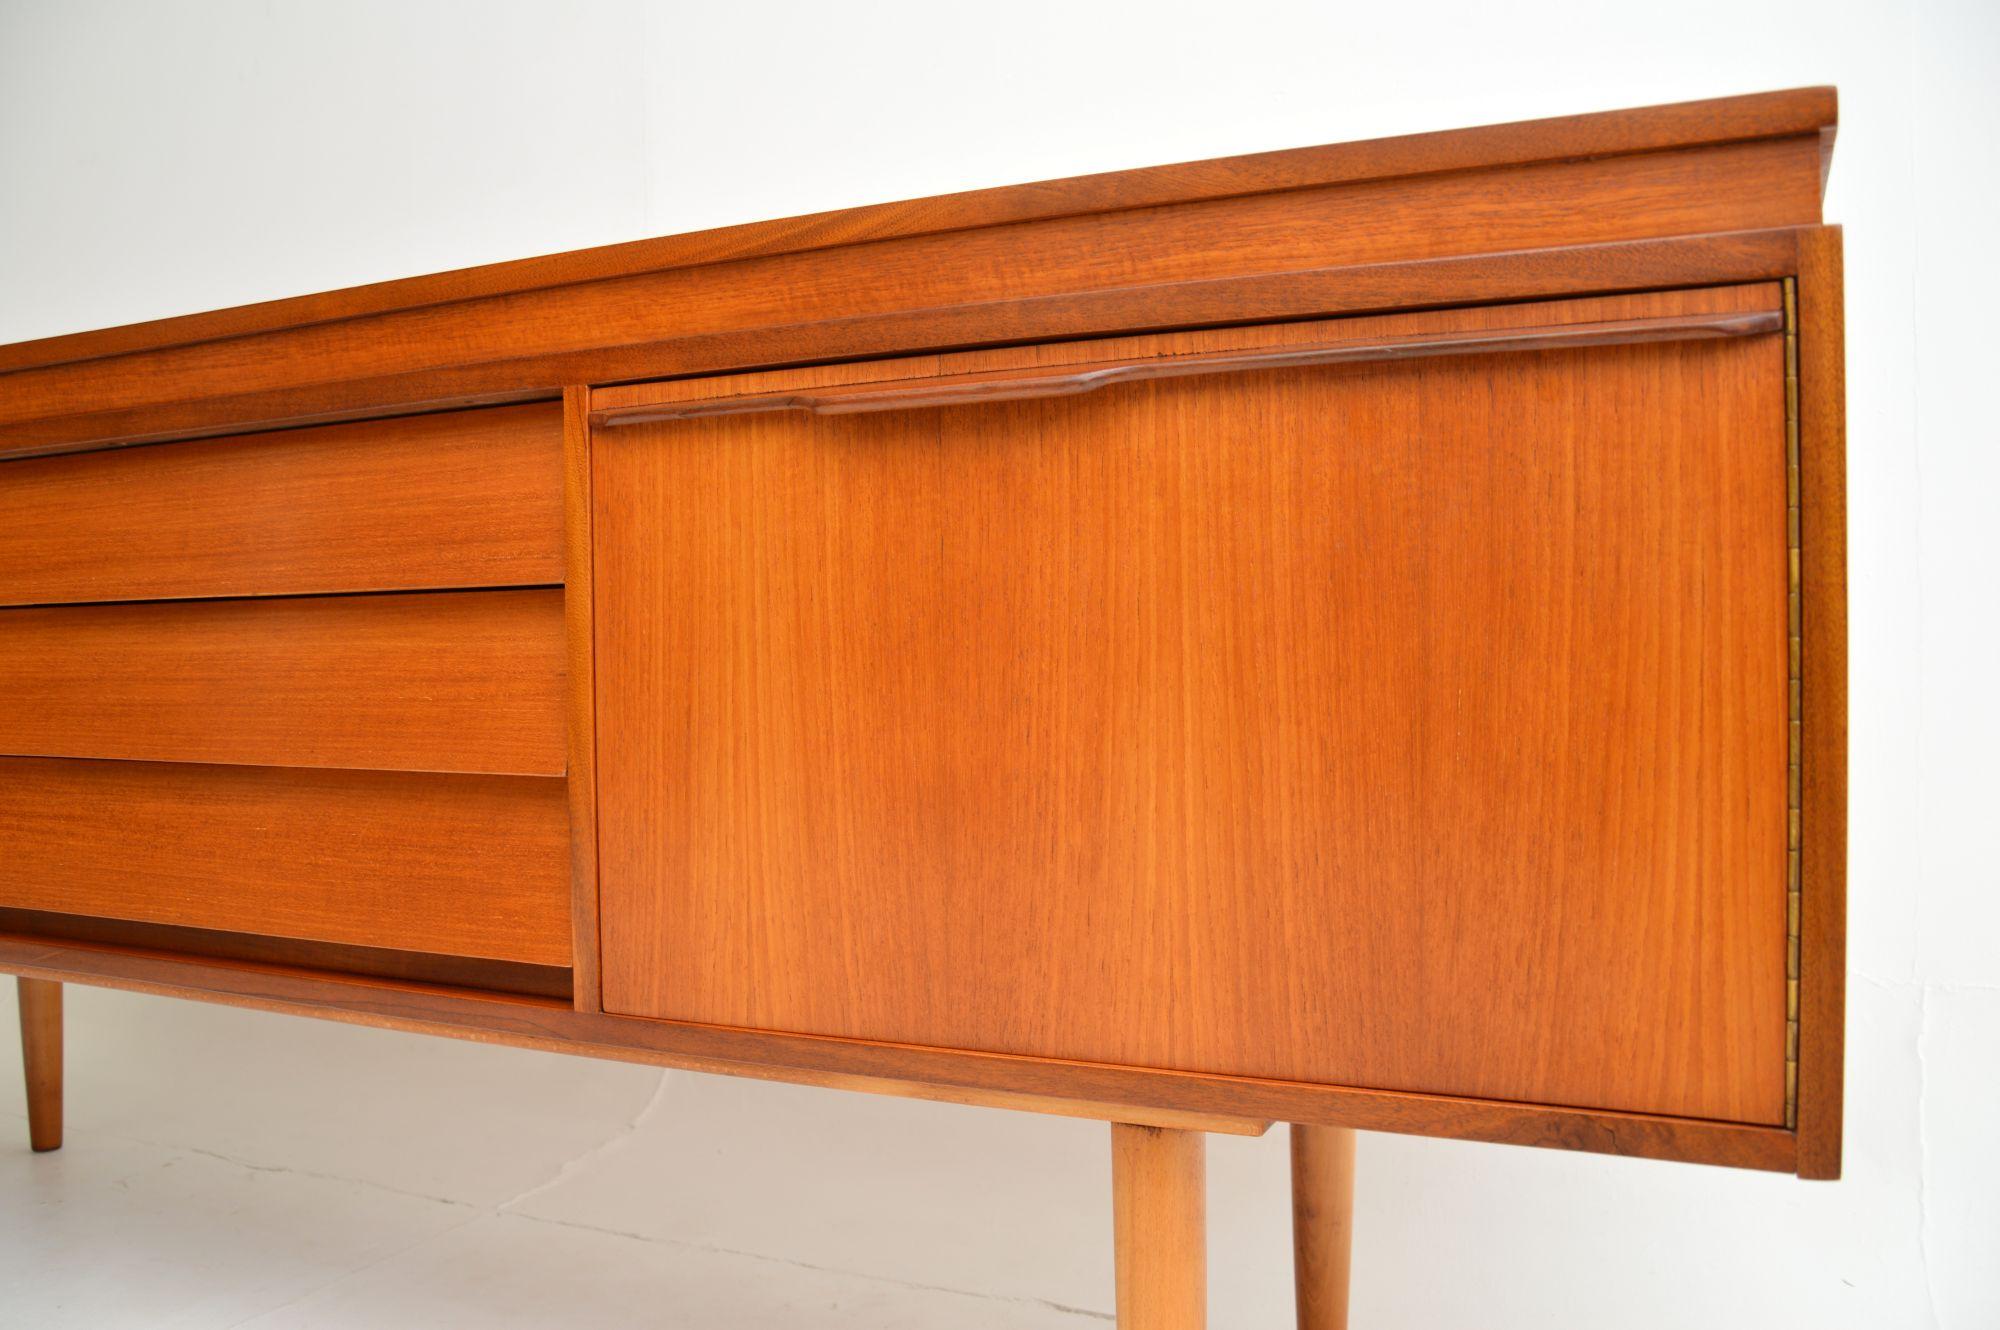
{"x": 1767, "y": 115}
{"x": 1093, "y": 255}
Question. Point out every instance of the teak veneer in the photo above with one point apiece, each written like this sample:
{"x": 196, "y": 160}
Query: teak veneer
{"x": 1352, "y": 637}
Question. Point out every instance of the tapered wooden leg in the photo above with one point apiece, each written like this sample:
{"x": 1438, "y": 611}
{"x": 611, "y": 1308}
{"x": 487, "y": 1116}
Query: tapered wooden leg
{"x": 1322, "y": 1223}
{"x": 1159, "y": 1215}
{"x": 42, "y": 1060}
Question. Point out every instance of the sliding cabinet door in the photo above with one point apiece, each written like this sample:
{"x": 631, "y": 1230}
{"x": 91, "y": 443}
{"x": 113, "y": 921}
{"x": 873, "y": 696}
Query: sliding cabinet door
{"x": 1395, "y": 703}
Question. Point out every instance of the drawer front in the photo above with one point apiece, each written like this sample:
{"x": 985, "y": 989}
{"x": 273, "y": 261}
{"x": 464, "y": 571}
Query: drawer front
{"x": 462, "y": 681}
{"x": 461, "y": 499}
{"x": 1415, "y": 725}
{"x": 451, "y": 865}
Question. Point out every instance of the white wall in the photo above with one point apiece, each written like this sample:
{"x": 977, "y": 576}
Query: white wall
{"x": 158, "y": 158}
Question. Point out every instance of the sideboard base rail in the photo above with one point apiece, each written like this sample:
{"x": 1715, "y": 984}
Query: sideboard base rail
{"x": 1107, "y": 1093}
{"x": 1158, "y": 1190}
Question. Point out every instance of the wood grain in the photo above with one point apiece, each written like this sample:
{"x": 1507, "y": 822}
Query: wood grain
{"x": 1741, "y": 186}
{"x": 1298, "y": 293}
{"x": 461, "y": 681}
{"x": 463, "y": 499}
{"x": 456, "y": 865}
{"x": 431, "y": 977}
{"x": 1823, "y": 662}
{"x": 1667, "y": 197}
{"x": 1322, "y": 1224}
{"x": 580, "y": 705}
{"x": 1137, "y": 1093}
{"x": 1159, "y": 1207}
{"x": 1436, "y": 683}
{"x": 549, "y": 981}
{"x": 1785, "y": 114}
{"x": 537, "y": 340}
{"x": 1089, "y": 364}
{"x": 1029, "y": 383}
{"x": 41, "y": 1012}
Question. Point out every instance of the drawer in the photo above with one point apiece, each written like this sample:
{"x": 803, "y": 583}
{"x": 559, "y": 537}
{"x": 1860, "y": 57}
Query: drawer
{"x": 450, "y": 865}
{"x": 461, "y": 499}
{"x": 460, "y": 681}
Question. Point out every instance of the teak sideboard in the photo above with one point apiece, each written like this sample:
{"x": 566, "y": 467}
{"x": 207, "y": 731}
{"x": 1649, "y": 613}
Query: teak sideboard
{"x": 1351, "y": 637}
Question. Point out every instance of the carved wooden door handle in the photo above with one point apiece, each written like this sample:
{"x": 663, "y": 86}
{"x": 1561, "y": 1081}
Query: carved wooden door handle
{"x": 1072, "y": 380}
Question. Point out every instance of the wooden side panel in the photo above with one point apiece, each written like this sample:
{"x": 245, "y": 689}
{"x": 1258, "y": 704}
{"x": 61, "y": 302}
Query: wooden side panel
{"x": 465, "y": 499}
{"x": 462, "y": 681}
{"x": 1414, "y": 727}
{"x": 1823, "y": 662}
{"x": 453, "y": 865}
{"x": 580, "y": 703}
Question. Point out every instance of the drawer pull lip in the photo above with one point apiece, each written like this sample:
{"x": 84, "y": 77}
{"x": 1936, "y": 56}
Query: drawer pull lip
{"x": 1070, "y": 380}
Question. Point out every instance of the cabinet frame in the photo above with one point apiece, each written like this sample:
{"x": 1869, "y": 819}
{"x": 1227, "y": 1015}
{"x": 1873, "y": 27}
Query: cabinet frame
{"x": 692, "y": 306}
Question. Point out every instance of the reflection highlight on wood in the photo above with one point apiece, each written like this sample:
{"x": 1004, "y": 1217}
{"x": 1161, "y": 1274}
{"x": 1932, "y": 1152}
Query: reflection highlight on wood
{"x": 1159, "y": 1200}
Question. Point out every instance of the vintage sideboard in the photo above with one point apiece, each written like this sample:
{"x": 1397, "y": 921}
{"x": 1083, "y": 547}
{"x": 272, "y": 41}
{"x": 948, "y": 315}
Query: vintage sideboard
{"x": 1351, "y": 637}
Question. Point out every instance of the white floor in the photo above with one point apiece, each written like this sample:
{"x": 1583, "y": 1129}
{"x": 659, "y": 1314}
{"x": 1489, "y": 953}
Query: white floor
{"x": 234, "y": 1168}
{"x": 112, "y": 1233}
{"x": 220, "y": 1171}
